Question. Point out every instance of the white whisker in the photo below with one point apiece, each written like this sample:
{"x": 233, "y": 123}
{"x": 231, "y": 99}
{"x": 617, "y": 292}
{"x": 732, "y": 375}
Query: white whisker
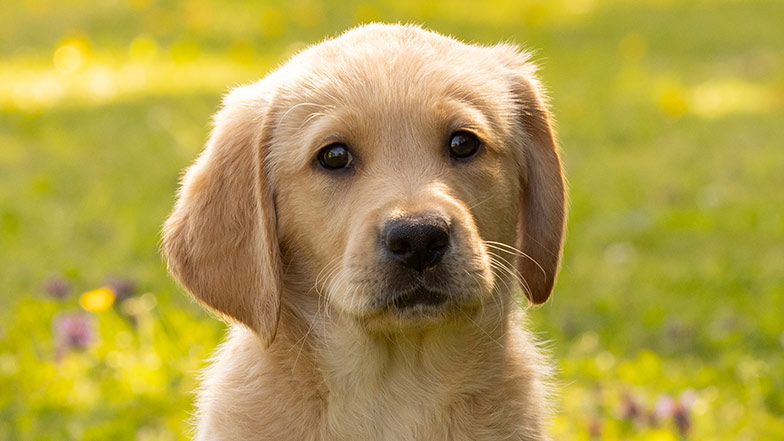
{"x": 512, "y": 250}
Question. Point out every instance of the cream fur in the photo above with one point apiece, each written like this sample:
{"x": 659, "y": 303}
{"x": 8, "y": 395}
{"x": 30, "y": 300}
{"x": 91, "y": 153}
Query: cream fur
{"x": 289, "y": 252}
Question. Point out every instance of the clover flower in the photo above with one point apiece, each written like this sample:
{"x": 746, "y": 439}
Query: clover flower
{"x": 57, "y": 287}
{"x": 123, "y": 288}
{"x": 679, "y": 410}
{"x": 73, "y": 331}
{"x": 681, "y": 413}
{"x": 631, "y": 409}
{"x": 595, "y": 428}
{"x": 662, "y": 410}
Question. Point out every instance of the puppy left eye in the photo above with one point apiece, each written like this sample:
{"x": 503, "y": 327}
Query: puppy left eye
{"x": 335, "y": 156}
{"x": 463, "y": 144}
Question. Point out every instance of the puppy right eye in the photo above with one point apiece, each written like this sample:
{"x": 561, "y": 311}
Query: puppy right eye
{"x": 463, "y": 144}
{"x": 335, "y": 156}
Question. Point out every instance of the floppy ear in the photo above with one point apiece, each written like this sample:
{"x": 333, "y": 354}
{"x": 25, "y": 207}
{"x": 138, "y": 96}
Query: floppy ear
{"x": 543, "y": 195}
{"x": 221, "y": 241}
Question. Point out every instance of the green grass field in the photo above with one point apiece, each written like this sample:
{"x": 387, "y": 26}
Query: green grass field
{"x": 667, "y": 322}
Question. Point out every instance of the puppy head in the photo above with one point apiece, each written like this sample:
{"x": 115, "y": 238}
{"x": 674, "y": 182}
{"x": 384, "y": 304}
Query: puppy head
{"x": 398, "y": 173}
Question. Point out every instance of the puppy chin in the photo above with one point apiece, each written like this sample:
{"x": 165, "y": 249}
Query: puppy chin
{"x": 409, "y": 321}
{"x": 421, "y": 308}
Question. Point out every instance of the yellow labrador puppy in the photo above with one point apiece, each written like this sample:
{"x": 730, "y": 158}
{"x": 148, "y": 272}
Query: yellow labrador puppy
{"x": 364, "y": 215}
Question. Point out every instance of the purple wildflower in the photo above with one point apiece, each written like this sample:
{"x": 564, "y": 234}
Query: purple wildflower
{"x": 123, "y": 288}
{"x": 681, "y": 417}
{"x": 631, "y": 410}
{"x": 662, "y": 410}
{"x": 57, "y": 287}
{"x": 73, "y": 331}
{"x": 681, "y": 413}
{"x": 595, "y": 428}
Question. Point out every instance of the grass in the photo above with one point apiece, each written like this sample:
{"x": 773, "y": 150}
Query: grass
{"x": 668, "y": 307}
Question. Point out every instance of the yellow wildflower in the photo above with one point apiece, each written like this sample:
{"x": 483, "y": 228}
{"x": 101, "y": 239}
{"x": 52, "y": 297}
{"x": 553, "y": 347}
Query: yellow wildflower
{"x": 97, "y": 300}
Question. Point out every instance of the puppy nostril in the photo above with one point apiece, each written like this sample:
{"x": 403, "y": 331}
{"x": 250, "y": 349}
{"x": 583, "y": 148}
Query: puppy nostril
{"x": 417, "y": 242}
{"x": 439, "y": 241}
{"x": 397, "y": 243}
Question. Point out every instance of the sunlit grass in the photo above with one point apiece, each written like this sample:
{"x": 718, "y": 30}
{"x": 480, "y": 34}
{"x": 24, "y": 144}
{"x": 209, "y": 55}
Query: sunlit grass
{"x": 717, "y": 98}
{"x": 29, "y": 87}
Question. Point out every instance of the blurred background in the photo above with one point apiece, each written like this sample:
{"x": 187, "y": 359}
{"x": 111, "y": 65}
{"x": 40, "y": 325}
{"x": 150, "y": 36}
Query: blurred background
{"x": 667, "y": 322}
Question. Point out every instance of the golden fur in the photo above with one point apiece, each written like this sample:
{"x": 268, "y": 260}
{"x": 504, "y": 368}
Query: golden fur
{"x": 290, "y": 252}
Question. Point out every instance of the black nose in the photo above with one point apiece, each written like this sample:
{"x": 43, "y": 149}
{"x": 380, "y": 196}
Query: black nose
{"x": 418, "y": 242}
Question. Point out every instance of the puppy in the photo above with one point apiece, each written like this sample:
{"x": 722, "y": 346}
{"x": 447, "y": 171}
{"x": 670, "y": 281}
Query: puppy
{"x": 364, "y": 215}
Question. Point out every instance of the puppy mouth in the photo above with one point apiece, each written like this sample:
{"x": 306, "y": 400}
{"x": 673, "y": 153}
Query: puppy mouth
{"x": 419, "y": 296}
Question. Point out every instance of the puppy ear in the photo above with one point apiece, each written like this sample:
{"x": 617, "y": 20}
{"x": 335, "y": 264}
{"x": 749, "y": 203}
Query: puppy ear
{"x": 543, "y": 195}
{"x": 220, "y": 241}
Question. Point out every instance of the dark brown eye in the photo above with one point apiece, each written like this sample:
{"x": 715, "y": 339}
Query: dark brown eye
{"x": 335, "y": 156}
{"x": 463, "y": 144}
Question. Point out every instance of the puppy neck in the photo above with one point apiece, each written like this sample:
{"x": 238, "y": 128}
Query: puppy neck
{"x": 357, "y": 383}
{"x": 350, "y": 356}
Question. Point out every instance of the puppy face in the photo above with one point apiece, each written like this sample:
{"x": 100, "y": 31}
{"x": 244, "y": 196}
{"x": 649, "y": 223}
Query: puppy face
{"x": 396, "y": 222}
{"x": 399, "y": 174}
